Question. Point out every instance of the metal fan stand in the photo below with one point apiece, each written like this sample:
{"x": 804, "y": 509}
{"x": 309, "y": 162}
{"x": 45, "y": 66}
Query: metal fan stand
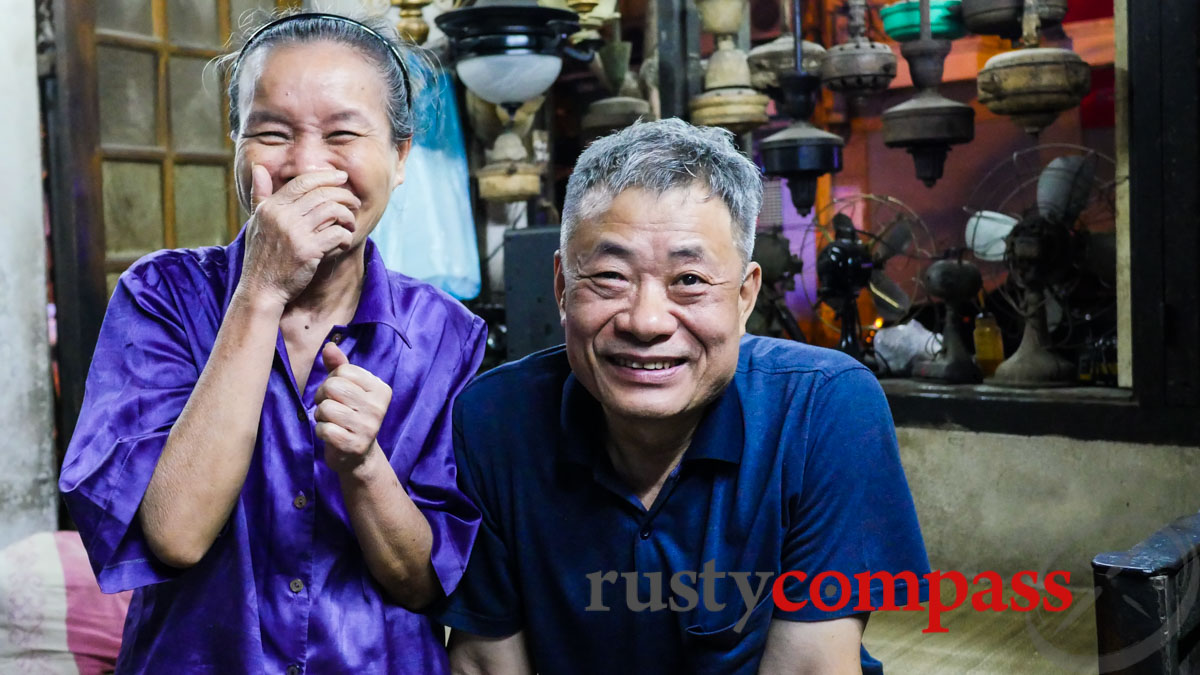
{"x": 1033, "y": 364}
{"x": 957, "y": 282}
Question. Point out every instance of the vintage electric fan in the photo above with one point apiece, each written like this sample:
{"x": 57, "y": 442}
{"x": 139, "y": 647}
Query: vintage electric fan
{"x": 868, "y": 246}
{"x": 771, "y": 315}
{"x": 957, "y": 282}
{"x": 1042, "y": 229}
{"x": 780, "y": 267}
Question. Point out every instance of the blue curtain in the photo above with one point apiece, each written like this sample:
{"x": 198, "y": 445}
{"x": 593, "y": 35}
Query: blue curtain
{"x": 427, "y": 231}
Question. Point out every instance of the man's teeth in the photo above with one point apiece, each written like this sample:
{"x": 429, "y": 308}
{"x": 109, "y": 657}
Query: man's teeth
{"x": 638, "y": 365}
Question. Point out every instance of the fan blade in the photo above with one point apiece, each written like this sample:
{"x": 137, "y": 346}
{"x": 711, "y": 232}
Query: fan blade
{"x": 894, "y": 240}
{"x": 891, "y": 301}
{"x": 986, "y": 231}
{"x": 1064, "y": 187}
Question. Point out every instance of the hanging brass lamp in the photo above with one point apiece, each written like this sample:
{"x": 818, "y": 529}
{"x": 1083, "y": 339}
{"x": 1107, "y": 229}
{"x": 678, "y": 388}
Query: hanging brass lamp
{"x": 412, "y": 24}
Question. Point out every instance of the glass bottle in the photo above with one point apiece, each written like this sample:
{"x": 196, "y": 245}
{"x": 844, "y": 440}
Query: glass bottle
{"x": 989, "y": 346}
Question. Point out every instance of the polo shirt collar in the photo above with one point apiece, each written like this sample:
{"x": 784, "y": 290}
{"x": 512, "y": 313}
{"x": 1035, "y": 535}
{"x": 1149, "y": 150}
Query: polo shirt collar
{"x": 581, "y": 421}
{"x": 720, "y": 435}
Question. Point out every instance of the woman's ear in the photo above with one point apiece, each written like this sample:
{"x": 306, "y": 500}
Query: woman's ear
{"x": 402, "y": 149}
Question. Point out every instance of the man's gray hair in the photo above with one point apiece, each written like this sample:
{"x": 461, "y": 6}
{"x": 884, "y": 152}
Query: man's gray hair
{"x": 660, "y": 156}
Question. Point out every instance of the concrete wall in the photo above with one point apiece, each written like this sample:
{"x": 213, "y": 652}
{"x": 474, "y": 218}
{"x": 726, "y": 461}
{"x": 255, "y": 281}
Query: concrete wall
{"x": 1008, "y": 503}
{"x": 27, "y": 487}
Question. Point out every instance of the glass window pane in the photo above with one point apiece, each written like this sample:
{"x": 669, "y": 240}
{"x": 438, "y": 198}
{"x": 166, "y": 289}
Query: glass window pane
{"x": 200, "y": 202}
{"x": 133, "y": 218}
{"x": 195, "y": 105}
{"x": 112, "y": 277}
{"x": 128, "y": 89}
{"x": 193, "y": 22}
{"x": 132, "y": 16}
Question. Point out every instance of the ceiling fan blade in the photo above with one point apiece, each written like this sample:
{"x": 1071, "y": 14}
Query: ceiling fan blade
{"x": 1064, "y": 186}
{"x": 891, "y": 302}
{"x": 895, "y": 239}
{"x": 986, "y": 232}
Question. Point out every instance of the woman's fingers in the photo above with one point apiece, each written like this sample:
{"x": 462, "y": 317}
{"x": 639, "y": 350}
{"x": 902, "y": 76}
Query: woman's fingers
{"x": 301, "y": 185}
{"x": 295, "y": 227}
{"x": 333, "y": 238}
{"x": 328, "y": 214}
{"x": 314, "y": 199}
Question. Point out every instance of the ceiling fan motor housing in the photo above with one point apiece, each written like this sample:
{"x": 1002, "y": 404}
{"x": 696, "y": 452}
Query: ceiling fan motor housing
{"x": 1003, "y": 17}
{"x": 928, "y": 124}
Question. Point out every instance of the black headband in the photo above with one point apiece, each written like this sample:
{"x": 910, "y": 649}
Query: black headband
{"x": 332, "y": 17}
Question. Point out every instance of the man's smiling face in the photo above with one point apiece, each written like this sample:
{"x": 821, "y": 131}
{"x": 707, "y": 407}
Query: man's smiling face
{"x": 654, "y": 298}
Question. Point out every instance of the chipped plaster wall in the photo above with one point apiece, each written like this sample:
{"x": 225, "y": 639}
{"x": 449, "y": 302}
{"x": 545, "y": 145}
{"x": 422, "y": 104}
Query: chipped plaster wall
{"x": 28, "y": 496}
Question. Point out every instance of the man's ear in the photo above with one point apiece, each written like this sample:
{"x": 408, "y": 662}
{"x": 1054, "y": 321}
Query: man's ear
{"x": 560, "y": 287}
{"x": 748, "y": 293}
{"x": 402, "y": 150}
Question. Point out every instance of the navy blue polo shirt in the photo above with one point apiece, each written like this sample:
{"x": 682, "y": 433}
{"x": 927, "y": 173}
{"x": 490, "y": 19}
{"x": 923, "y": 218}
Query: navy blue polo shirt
{"x": 794, "y": 467}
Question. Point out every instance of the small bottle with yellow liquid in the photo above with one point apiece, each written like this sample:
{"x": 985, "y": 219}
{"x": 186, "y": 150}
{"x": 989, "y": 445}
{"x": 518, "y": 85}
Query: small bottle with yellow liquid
{"x": 989, "y": 345}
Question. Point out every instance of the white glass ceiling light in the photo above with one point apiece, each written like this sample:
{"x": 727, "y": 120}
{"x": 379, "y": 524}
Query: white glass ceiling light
{"x": 509, "y": 78}
{"x": 508, "y": 52}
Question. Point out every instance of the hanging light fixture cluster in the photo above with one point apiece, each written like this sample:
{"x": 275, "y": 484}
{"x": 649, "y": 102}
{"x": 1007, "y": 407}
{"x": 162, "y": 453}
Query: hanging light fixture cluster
{"x": 801, "y": 153}
{"x": 927, "y": 124}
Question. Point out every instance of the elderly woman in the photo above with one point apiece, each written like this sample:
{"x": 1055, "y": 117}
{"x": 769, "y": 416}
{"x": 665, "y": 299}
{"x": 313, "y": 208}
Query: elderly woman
{"x": 264, "y": 451}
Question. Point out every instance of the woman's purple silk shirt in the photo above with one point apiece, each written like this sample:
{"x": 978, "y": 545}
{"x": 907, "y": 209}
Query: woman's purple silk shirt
{"x": 238, "y": 610}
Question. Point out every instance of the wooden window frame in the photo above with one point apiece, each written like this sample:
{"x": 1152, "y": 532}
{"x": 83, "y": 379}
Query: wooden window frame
{"x": 71, "y": 111}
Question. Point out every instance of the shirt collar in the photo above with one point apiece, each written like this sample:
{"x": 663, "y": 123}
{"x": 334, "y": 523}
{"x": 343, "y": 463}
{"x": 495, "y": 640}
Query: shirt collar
{"x": 375, "y": 305}
{"x": 720, "y": 435}
{"x": 581, "y": 421}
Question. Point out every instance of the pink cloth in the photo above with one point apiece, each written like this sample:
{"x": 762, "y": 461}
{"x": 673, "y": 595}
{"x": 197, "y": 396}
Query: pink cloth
{"x": 94, "y": 620}
{"x": 53, "y": 618}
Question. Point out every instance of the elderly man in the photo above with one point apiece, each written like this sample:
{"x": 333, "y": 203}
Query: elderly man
{"x": 264, "y": 451}
{"x": 643, "y": 486}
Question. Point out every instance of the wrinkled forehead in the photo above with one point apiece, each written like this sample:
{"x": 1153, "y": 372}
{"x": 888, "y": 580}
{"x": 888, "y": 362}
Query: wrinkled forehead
{"x": 333, "y": 55}
{"x": 678, "y": 222}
